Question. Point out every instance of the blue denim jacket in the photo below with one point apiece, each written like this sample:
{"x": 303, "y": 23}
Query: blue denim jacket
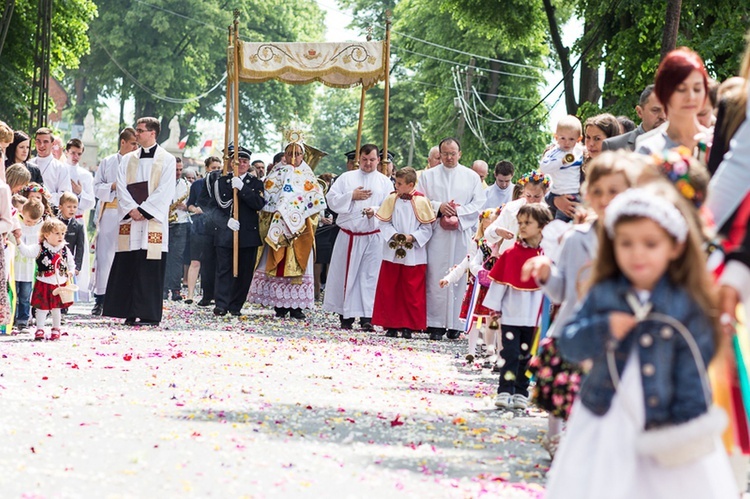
{"x": 672, "y": 387}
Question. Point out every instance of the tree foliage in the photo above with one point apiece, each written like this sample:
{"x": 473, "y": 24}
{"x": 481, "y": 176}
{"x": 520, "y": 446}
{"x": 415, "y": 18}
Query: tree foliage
{"x": 69, "y": 42}
{"x": 423, "y": 91}
{"x": 178, "y": 50}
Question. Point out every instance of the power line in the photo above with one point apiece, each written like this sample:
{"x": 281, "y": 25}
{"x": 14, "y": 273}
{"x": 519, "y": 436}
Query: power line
{"x": 499, "y": 96}
{"x": 153, "y": 93}
{"x": 181, "y": 15}
{"x": 450, "y": 49}
{"x": 447, "y": 61}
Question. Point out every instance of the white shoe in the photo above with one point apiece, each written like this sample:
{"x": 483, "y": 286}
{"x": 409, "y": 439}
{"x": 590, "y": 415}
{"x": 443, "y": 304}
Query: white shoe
{"x": 520, "y": 401}
{"x": 502, "y": 400}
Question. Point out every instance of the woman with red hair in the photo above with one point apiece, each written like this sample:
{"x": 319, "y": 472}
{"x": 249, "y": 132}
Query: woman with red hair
{"x": 681, "y": 85}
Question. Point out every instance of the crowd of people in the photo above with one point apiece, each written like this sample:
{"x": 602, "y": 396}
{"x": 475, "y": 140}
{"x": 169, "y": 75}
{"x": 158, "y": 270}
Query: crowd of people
{"x": 612, "y": 270}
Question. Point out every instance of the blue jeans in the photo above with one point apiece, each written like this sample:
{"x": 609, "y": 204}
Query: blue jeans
{"x": 23, "y": 301}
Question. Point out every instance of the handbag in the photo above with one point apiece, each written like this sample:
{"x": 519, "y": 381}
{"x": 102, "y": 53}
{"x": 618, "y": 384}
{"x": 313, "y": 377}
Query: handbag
{"x": 678, "y": 444}
{"x": 449, "y": 222}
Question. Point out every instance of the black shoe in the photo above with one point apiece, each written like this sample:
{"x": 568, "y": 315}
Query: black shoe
{"x": 98, "y": 309}
{"x": 436, "y": 333}
{"x": 147, "y": 323}
{"x": 366, "y": 326}
{"x": 406, "y": 334}
{"x": 281, "y": 311}
{"x": 64, "y": 311}
{"x": 220, "y": 312}
{"x": 236, "y": 314}
{"x": 130, "y": 321}
{"x": 346, "y": 323}
{"x": 188, "y": 302}
{"x": 296, "y": 313}
{"x": 453, "y": 334}
{"x": 176, "y": 296}
{"x": 204, "y": 303}
{"x": 391, "y": 333}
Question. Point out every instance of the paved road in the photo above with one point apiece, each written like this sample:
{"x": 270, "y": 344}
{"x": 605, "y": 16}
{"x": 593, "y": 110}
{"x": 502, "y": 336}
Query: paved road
{"x": 257, "y": 407}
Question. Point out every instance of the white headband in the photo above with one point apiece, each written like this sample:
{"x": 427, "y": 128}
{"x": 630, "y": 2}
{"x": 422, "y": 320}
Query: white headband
{"x": 641, "y": 203}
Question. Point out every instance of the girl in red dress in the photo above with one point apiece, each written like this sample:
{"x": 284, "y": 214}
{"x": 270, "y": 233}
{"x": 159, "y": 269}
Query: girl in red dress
{"x": 55, "y": 264}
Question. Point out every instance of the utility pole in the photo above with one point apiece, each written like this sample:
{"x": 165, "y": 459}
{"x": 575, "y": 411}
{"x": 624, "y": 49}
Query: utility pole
{"x": 40, "y": 88}
{"x": 411, "y": 144}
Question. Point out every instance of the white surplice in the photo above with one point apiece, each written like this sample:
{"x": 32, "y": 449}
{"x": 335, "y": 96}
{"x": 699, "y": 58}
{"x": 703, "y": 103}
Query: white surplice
{"x": 86, "y": 201}
{"x": 404, "y": 221}
{"x": 350, "y": 291}
{"x": 508, "y": 220}
{"x": 107, "y": 222}
{"x": 448, "y": 247}
{"x": 157, "y": 203}
{"x": 55, "y": 176}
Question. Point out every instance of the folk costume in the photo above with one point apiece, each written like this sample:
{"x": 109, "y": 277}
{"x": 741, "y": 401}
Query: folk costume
{"x": 519, "y": 302}
{"x": 450, "y": 241}
{"x": 358, "y": 250}
{"x": 53, "y": 265}
{"x": 6, "y": 225}
{"x": 145, "y": 181}
{"x": 403, "y": 271}
{"x": 284, "y": 275}
{"x": 107, "y": 226}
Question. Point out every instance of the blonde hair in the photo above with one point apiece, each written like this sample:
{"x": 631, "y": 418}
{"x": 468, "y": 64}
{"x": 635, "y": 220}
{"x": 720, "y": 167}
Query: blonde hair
{"x": 488, "y": 213}
{"x": 17, "y": 175}
{"x": 33, "y": 208}
{"x": 571, "y": 123}
{"x": 688, "y": 270}
{"x": 68, "y": 197}
{"x": 49, "y": 226}
{"x": 18, "y": 201}
{"x": 628, "y": 164}
{"x": 6, "y": 133}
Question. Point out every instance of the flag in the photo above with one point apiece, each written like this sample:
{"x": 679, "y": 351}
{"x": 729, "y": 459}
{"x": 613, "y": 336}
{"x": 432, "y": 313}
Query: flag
{"x": 207, "y": 147}
{"x": 182, "y": 143}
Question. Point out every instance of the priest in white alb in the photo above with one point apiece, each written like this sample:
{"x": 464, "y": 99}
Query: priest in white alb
{"x": 355, "y": 262}
{"x": 82, "y": 183}
{"x": 107, "y": 219}
{"x": 457, "y": 196}
{"x": 145, "y": 188}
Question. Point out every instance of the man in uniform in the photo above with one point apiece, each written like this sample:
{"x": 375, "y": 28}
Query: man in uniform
{"x": 108, "y": 222}
{"x": 231, "y": 292}
{"x": 145, "y": 189}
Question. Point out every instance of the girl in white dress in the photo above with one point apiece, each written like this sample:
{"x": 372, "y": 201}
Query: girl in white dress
{"x": 643, "y": 426}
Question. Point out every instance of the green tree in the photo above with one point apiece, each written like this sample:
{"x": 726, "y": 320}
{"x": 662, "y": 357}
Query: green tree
{"x": 149, "y": 50}
{"x": 69, "y": 42}
{"x": 334, "y": 126}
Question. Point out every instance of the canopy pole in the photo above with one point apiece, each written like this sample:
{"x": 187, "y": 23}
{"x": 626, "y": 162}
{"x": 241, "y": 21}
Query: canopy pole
{"x": 236, "y": 159}
{"x": 387, "y": 95}
{"x": 228, "y": 117}
{"x": 359, "y": 125}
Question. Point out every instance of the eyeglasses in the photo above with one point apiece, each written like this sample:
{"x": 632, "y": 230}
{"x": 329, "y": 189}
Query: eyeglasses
{"x": 449, "y": 154}
{"x": 142, "y": 130}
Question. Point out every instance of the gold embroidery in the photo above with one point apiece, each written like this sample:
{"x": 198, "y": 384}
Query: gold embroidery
{"x": 154, "y": 238}
{"x": 125, "y": 229}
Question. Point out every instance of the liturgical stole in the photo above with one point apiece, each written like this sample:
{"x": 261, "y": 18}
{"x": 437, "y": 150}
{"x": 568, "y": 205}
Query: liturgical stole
{"x": 155, "y": 231}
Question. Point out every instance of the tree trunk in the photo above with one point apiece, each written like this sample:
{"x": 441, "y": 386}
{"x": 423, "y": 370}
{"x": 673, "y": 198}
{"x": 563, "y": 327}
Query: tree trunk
{"x": 671, "y": 27}
{"x": 494, "y": 83}
{"x": 80, "y": 87}
{"x": 563, "y": 53}
{"x": 589, "y": 90}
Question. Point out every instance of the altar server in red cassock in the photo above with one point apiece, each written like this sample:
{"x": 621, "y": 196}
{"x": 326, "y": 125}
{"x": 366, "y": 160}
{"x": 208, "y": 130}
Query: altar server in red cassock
{"x": 406, "y": 218}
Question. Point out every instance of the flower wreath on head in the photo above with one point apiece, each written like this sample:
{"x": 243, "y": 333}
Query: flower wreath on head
{"x": 34, "y": 187}
{"x": 675, "y": 165}
{"x": 535, "y": 177}
{"x": 490, "y": 212}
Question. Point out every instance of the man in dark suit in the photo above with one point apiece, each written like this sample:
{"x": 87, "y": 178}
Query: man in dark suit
{"x": 230, "y": 292}
{"x": 652, "y": 115}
